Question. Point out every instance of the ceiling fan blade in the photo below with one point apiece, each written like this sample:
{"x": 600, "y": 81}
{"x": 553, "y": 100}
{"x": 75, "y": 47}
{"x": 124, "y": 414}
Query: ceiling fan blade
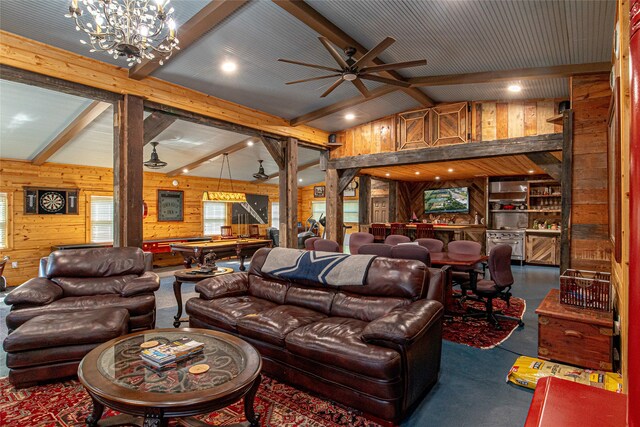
{"x": 361, "y": 87}
{"x": 333, "y": 52}
{"x": 394, "y": 66}
{"x": 312, "y": 79}
{"x": 333, "y": 86}
{"x": 304, "y": 64}
{"x": 384, "y": 80}
{"x": 368, "y": 57}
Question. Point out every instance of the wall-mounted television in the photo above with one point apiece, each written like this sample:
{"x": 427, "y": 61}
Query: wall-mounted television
{"x": 446, "y": 200}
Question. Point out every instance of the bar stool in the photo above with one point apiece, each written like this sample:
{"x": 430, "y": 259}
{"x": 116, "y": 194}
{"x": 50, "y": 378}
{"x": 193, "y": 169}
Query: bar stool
{"x": 226, "y": 232}
{"x": 379, "y": 232}
{"x": 254, "y": 231}
{"x": 424, "y": 231}
{"x": 398, "y": 228}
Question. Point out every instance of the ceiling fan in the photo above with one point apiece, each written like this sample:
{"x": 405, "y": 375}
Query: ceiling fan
{"x": 354, "y": 70}
{"x": 260, "y": 175}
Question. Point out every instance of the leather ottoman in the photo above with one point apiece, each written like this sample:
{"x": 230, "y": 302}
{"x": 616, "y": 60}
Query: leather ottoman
{"x": 51, "y": 346}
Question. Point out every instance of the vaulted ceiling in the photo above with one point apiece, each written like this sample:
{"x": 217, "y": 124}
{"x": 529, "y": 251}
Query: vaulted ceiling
{"x": 455, "y": 37}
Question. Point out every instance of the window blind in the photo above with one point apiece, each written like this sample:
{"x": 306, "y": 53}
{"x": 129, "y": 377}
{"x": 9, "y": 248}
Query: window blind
{"x": 214, "y": 217}
{"x": 275, "y": 215}
{"x": 349, "y": 210}
{"x": 4, "y": 219}
{"x": 101, "y": 219}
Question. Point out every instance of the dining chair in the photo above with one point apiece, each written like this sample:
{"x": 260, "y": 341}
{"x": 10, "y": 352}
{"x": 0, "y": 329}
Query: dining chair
{"x": 499, "y": 286}
{"x": 394, "y": 239}
{"x": 254, "y": 231}
{"x": 398, "y": 228}
{"x": 358, "y": 239}
{"x": 226, "y": 232}
{"x": 460, "y": 275}
{"x": 416, "y": 252}
{"x": 434, "y": 245}
{"x": 424, "y": 231}
{"x": 308, "y": 244}
{"x": 326, "y": 245}
{"x": 379, "y": 232}
{"x": 379, "y": 249}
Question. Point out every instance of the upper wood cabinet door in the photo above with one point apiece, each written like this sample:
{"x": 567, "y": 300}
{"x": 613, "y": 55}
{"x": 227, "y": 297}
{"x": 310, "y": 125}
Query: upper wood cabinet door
{"x": 449, "y": 124}
{"x": 414, "y": 130}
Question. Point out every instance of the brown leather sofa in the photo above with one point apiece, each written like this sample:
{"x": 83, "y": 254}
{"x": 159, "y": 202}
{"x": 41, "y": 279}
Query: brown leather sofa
{"x": 375, "y": 347}
{"x": 88, "y": 279}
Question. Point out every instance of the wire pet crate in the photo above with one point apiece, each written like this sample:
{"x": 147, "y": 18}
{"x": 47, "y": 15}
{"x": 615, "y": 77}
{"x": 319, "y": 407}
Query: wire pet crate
{"x": 586, "y": 289}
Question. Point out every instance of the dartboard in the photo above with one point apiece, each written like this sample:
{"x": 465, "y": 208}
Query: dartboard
{"x": 51, "y": 201}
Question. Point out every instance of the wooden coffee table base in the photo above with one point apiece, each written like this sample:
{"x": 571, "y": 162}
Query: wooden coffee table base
{"x": 159, "y": 417}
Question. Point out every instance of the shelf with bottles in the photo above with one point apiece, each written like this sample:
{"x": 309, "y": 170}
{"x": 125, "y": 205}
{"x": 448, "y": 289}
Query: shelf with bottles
{"x": 545, "y": 196}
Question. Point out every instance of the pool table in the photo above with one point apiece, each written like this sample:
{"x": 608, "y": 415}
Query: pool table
{"x": 241, "y": 248}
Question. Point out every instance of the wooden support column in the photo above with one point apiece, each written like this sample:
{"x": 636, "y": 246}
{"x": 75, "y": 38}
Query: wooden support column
{"x": 288, "y": 180}
{"x": 393, "y": 201}
{"x": 566, "y": 182}
{"x": 127, "y": 171}
{"x": 364, "y": 200}
{"x": 334, "y": 211}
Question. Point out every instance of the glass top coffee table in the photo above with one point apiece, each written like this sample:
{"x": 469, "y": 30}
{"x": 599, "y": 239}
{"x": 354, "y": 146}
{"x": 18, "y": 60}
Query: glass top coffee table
{"x": 115, "y": 376}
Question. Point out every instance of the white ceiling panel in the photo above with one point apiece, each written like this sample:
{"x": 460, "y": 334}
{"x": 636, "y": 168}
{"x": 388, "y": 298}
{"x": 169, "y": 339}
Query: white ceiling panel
{"x": 531, "y": 89}
{"x": 44, "y": 21}
{"x": 394, "y": 102}
{"x": 30, "y": 117}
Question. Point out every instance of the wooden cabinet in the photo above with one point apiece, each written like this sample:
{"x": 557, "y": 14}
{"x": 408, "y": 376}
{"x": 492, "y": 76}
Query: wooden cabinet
{"x": 541, "y": 248}
{"x": 572, "y": 335}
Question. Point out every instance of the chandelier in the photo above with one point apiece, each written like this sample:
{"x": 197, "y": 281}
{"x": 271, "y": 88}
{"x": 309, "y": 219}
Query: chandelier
{"x": 154, "y": 162}
{"x": 225, "y": 196}
{"x": 137, "y": 29}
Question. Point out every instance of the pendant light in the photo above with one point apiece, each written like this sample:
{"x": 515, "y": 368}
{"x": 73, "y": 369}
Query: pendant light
{"x": 154, "y": 162}
{"x": 225, "y": 196}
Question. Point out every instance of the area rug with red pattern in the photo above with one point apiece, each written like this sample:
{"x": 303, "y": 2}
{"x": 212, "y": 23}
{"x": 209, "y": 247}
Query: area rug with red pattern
{"x": 66, "y": 404}
{"x": 478, "y": 332}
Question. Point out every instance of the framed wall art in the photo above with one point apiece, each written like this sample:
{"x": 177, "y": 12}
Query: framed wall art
{"x": 318, "y": 191}
{"x": 50, "y": 201}
{"x": 614, "y": 180}
{"x": 170, "y": 205}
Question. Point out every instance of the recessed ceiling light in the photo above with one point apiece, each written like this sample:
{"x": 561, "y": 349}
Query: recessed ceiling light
{"x": 450, "y": 170}
{"x": 417, "y": 172}
{"x": 229, "y": 67}
{"x": 250, "y": 143}
{"x": 531, "y": 171}
{"x": 349, "y": 116}
{"x": 437, "y": 178}
{"x": 299, "y": 179}
{"x": 514, "y": 88}
{"x": 387, "y": 174}
{"x": 185, "y": 170}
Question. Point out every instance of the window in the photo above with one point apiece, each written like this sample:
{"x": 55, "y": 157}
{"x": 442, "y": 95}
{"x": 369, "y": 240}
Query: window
{"x": 349, "y": 210}
{"x": 275, "y": 214}
{"x": 101, "y": 219}
{"x": 4, "y": 220}
{"x": 214, "y": 217}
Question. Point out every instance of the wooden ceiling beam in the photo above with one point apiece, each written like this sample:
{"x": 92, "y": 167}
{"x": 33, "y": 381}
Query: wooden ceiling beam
{"x": 84, "y": 119}
{"x": 558, "y": 71}
{"x": 228, "y": 150}
{"x": 346, "y": 176}
{"x": 276, "y": 174}
{"x": 472, "y": 150}
{"x": 548, "y": 163}
{"x": 342, "y": 105}
{"x": 275, "y": 150}
{"x": 156, "y": 123}
{"x": 208, "y": 18}
{"x": 316, "y": 21}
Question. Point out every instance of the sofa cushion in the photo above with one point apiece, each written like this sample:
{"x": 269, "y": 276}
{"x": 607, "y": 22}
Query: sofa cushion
{"x": 95, "y": 262}
{"x": 274, "y": 324}
{"x": 315, "y": 299}
{"x": 36, "y": 291}
{"x": 224, "y": 313}
{"x": 337, "y": 341}
{"x": 136, "y": 306}
{"x": 268, "y": 289}
{"x": 84, "y": 286}
{"x": 363, "y": 307}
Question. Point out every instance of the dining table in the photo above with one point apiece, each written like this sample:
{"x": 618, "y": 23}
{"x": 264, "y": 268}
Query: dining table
{"x": 441, "y": 259}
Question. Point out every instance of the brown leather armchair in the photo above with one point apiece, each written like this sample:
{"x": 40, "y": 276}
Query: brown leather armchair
{"x": 88, "y": 279}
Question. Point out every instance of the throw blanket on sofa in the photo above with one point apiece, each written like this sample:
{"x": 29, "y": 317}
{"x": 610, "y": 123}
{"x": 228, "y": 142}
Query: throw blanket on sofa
{"x": 328, "y": 268}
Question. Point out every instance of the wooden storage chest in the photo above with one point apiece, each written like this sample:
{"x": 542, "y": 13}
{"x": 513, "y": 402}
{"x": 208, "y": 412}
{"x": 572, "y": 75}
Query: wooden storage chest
{"x": 573, "y": 335}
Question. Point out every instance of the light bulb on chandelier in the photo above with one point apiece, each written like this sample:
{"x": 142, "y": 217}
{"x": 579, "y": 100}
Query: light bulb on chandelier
{"x": 135, "y": 29}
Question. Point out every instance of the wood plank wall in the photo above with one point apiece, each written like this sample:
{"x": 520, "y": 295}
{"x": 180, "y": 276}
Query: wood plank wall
{"x": 31, "y": 236}
{"x": 590, "y": 245}
{"x": 411, "y": 199}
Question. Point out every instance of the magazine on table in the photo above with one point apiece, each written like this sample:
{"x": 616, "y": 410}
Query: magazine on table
{"x": 171, "y": 352}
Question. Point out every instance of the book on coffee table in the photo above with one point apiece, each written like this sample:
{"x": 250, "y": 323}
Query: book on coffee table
{"x": 171, "y": 352}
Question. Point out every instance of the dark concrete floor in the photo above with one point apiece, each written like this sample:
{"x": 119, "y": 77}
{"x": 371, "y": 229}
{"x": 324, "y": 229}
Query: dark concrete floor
{"x": 471, "y": 390}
